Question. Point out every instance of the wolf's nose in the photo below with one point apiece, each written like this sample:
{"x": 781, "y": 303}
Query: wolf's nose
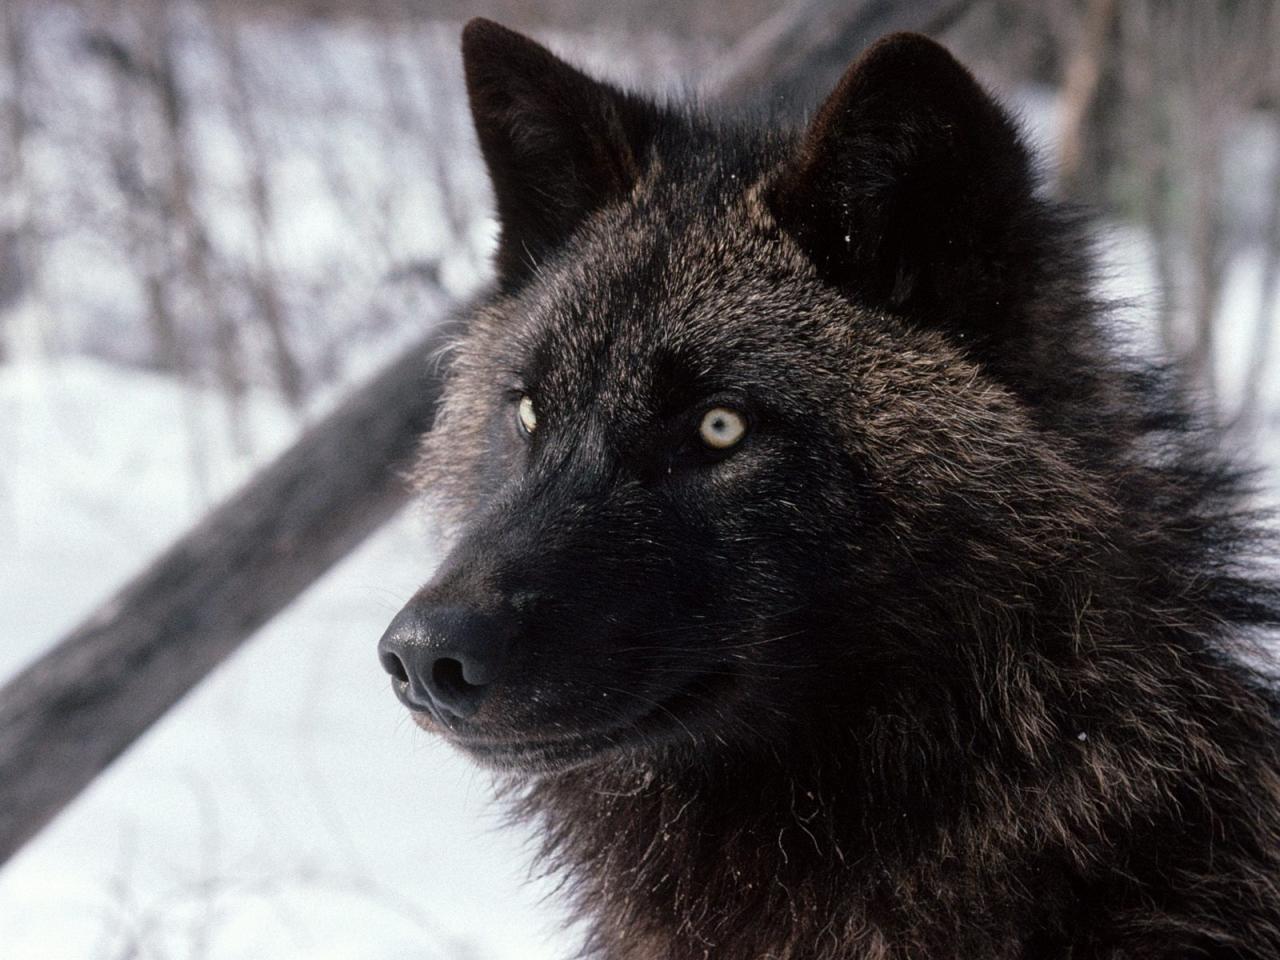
{"x": 446, "y": 659}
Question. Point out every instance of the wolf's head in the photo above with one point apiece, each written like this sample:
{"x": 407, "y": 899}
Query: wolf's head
{"x": 762, "y": 432}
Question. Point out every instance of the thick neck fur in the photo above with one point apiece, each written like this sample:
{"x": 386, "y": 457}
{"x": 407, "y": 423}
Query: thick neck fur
{"x": 934, "y": 831}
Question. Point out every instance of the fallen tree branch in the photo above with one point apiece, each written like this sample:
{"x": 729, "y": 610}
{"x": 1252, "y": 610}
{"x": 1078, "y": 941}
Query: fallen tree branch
{"x": 78, "y": 707}
{"x": 69, "y": 714}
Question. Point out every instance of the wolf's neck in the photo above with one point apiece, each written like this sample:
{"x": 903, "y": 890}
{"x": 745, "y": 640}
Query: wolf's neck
{"x": 717, "y": 861}
{"x": 910, "y": 827}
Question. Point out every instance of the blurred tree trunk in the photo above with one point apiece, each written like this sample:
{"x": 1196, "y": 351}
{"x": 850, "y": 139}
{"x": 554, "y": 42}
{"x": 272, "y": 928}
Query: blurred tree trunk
{"x": 73, "y": 711}
{"x": 1090, "y": 104}
{"x": 1251, "y": 413}
{"x": 1207, "y": 246}
{"x": 197, "y": 253}
{"x": 805, "y": 47}
{"x": 1227, "y": 47}
{"x": 147, "y": 226}
{"x": 15, "y": 226}
{"x": 1149, "y": 146}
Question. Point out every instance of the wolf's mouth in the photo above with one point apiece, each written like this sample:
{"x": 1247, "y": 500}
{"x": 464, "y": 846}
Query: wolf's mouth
{"x": 542, "y": 756}
{"x": 666, "y": 719}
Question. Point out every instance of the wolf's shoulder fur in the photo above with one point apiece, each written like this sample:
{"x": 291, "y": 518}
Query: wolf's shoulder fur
{"x": 825, "y": 580}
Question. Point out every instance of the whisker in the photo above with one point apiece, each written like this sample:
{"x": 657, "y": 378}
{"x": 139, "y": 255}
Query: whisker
{"x": 713, "y": 648}
{"x": 718, "y": 624}
{"x": 654, "y": 703}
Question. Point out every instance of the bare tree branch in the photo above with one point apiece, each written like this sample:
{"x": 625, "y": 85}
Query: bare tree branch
{"x": 15, "y": 254}
{"x": 1251, "y": 412}
{"x": 183, "y": 188}
{"x": 1082, "y": 87}
{"x": 70, "y": 713}
{"x": 147, "y": 226}
{"x": 806, "y": 46}
{"x": 266, "y": 294}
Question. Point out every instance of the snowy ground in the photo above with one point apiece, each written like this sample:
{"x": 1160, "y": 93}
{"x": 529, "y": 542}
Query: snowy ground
{"x": 286, "y": 808}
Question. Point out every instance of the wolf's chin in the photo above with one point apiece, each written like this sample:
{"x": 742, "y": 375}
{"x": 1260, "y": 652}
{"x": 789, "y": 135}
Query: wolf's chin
{"x": 653, "y": 732}
{"x": 532, "y": 758}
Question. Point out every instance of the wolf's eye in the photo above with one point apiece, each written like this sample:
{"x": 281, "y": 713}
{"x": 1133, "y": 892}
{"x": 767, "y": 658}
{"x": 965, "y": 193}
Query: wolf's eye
{"x": 526, "y": 414}
{"x": 722, "y": 428}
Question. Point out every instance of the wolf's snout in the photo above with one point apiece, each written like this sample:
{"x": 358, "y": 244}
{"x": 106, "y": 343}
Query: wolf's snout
{"x": 446, "y": 659}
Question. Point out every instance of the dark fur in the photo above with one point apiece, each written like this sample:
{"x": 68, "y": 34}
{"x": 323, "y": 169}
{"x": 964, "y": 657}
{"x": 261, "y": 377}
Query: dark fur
{"x": 951, "y": 659}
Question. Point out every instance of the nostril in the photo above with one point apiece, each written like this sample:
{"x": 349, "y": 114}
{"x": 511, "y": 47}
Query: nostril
{"x": 449, "y": 680}
{"x": 445, "y": 660}
{"x": 394, "y": 666}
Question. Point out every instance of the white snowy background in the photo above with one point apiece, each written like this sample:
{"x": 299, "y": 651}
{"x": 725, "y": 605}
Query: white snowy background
{"x": 286, "y": 808}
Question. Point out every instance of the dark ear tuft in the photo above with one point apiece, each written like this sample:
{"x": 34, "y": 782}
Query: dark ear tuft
{"x": 558, "y": 144}
{"x": 908, "y": 188}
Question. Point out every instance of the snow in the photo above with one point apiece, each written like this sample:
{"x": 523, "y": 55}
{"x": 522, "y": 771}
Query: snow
{"x": 286, "y": 808}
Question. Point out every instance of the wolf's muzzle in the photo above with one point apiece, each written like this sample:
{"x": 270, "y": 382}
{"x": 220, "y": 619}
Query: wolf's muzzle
{"x": 446, "y": 659}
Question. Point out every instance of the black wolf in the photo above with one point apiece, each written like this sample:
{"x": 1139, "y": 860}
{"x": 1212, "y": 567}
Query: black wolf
{"x": 822, "y": 578}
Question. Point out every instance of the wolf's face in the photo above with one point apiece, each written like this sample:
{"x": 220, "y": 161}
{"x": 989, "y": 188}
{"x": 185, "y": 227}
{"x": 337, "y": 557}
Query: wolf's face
{"x": 734, "y": 434}
{"x": 651, "y": 487}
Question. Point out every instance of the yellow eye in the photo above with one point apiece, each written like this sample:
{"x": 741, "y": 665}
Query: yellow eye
{"x": 526, "y": 414}
{"x": 722, "y": 428}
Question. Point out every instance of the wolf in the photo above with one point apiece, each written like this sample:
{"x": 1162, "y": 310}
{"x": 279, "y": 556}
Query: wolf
{"x": 824, "y": 578}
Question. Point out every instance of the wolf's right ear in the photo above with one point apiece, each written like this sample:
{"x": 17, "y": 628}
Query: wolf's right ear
{"x": 557, "y": 143}
{"x": 911, "y": 191}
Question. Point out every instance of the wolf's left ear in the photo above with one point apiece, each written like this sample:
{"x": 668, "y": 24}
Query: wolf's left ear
{"x": 557, "y": 143}
{"x": 909, "y": 188}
